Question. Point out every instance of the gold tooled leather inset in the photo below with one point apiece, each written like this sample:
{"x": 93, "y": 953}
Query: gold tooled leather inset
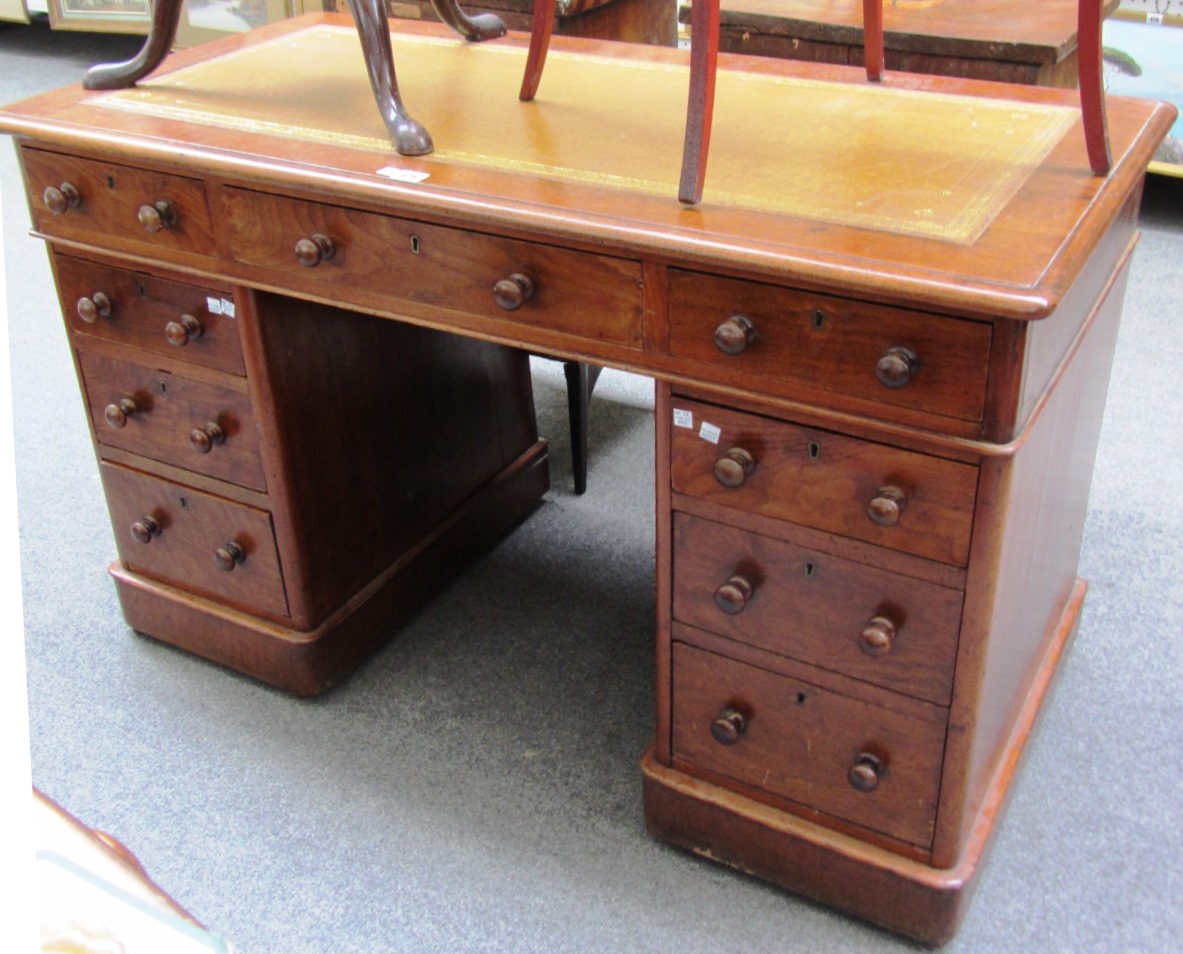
{"x": 924, "y": 164}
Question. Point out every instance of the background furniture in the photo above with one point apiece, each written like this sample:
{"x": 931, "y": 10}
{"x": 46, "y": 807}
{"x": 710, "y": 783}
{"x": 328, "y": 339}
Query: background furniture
{"x": 1004, "y": 40}
{"x": 914, "y": 411}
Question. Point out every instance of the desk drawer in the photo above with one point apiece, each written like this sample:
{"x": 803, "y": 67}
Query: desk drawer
{"x": 573, "y": 292}
{"x": 168, "y": 417}
{"x": 798, "y": 741}
{"x": 895, "y": 498}
{"x": 801, "y": 340}
{"x": 196, "y": 541}
{"x": 187, "y": 322}
{"x": 895, "y": 631}
{"x": 112, "y": 206}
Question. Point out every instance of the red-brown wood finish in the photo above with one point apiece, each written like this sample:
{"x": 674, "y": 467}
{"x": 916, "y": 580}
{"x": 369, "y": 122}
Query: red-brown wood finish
{"x": 880, "y": 528}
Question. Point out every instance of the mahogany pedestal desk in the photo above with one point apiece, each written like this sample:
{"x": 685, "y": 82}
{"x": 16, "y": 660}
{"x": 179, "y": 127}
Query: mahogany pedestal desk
{"x": 880, "y": 363}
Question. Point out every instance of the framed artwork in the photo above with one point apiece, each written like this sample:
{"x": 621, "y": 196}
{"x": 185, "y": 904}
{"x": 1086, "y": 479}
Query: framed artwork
{"x": 204, "y": 20}
{"x": 1143, "y": 54}
{"x": 100, "y": 16}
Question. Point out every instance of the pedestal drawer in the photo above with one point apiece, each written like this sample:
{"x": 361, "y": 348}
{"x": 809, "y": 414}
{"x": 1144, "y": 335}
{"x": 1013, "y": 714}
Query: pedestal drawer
{"x": 492, "y": 277}
{"x": 194, "y": 540}
{"x": 867, "y": 623}
{"x": 790, "y": 738}
{"x": 892, "y": 497}
{"x": 779, "y": 340}
{"x": 201, "y": 426}
{"x": 112, "y": 206}
{"x": 188, "y": 322}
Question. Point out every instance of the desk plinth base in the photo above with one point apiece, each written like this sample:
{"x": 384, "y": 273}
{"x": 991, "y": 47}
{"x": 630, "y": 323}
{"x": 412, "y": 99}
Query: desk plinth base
{"x": 306, "y": 663}
{"x": 865, "y": 881}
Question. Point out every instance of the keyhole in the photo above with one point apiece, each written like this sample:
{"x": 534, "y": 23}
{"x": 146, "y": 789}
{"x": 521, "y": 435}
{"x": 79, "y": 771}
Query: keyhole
{"x": 815, "y": 450}
{"x": 184, "y": 503}
{"x": 810, "y": 569}
{"x": 414, "y": 244}
{"x": 819, "y": 320}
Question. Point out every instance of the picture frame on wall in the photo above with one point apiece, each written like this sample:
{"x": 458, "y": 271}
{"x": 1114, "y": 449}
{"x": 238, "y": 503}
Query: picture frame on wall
{"x": 101, "y": 16}
{"x": 1142, "y": 47}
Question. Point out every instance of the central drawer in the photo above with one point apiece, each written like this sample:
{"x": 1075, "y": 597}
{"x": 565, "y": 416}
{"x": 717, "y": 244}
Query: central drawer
{"x": 483, "y": 275}
{"x": 896, "y": 498}
{"x": 842, "y": 756}
{"x": 868, "y": 623}
{"x": 198, "y": 425}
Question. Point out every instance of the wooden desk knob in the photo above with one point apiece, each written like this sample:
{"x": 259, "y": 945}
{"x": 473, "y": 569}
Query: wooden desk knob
{"x": 735, "y": 334}
{"x": 877, "y": 636}
{"x": 513, "y": 292}
{"x": 61, "y": 199}
{"x": 229, "y": 555}
{"x": 144, "y": 529}
{"x": 116, "y": 415}
{"x": 730, "y": 725}
{"x": 158, "y": 216}
{"x": 733, "y": 468}
{"x": 733, "y": 595}
{"x": 203, "y": 439}
{"x": 92, "y": 309}
{"x": 896, "y": 367}
{"x": 310, "y": 252}
{"x": 886, "y": 507}
{"x": 185, "y": 329}
{"x": 865, "y": 773}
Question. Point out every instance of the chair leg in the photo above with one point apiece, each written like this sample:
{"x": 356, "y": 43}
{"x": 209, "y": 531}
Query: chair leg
{"x": 410, "y": 138}
{"x": 484, "y": 26}
{"x": 704, "y": 56}
{"x": 166, "y": 15}
{"x": 541, "y": 26}
{"x": 1092, "y": 86}
{"x": 581, "y": 381}
{"x": 873, "y": 38}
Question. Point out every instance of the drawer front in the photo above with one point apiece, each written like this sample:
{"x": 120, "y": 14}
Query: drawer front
{"x": 895, "y": 498}
{"x": 117, "y": 206}
{"x": 572, "y": 292}
{"x": 187, "y": 538}
{"x": 805, "y": 743}
{"x": 863, "y": 622}
{"x": 803, "y": 340}
{"x": 187, "y": 322}
{"x": 163, "y": 416}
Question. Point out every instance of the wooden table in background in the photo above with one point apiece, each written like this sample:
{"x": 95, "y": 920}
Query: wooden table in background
{"x": 1009, "y": 41}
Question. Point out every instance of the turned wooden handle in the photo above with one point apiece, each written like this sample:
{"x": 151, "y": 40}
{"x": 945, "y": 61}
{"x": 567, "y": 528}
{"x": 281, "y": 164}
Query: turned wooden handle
{"x": 729, "y": 726}
{"x": 734, "y": 467}
{"x": 897, "y": 366}
{"x": 733, "y": 595}
{"x": 878, "y": 636}
{"x": 310, "y": 252}
{"x": 735, "y": 334}
{"x": 185, "y": 329}
{"x": 144, "y": 529}
{"x": 513, "y": 292}
{"x": 92, "y": 309}
{"x": 866, "y": 772}
{"x": 203, "y": 439}
{"x": 116, "y": 415}
{"x": 62, "y": 198}
{"x": 229, "y": 555}
{"x": 887, "y": 506}
{"x": 158, "y": 216}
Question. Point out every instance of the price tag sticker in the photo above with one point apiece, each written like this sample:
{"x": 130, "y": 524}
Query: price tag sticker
{"x": 710, "y": 432}
{"x": 683, "y": 418}
{"x": 403, "y": 175}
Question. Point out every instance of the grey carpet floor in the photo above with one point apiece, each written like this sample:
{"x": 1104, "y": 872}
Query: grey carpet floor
{"x": 475, "y": 786}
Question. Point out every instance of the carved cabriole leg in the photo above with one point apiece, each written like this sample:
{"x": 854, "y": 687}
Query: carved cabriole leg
{"x": 1092, "y": 86}
{"x": 873, "y": 38}
{"x": 166, "y": 14}
{"x": 704, "y": 55}
{"x": 410, "y": 137}
{"x": 484, "y": 26}
{"x": 541, "y": 26}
